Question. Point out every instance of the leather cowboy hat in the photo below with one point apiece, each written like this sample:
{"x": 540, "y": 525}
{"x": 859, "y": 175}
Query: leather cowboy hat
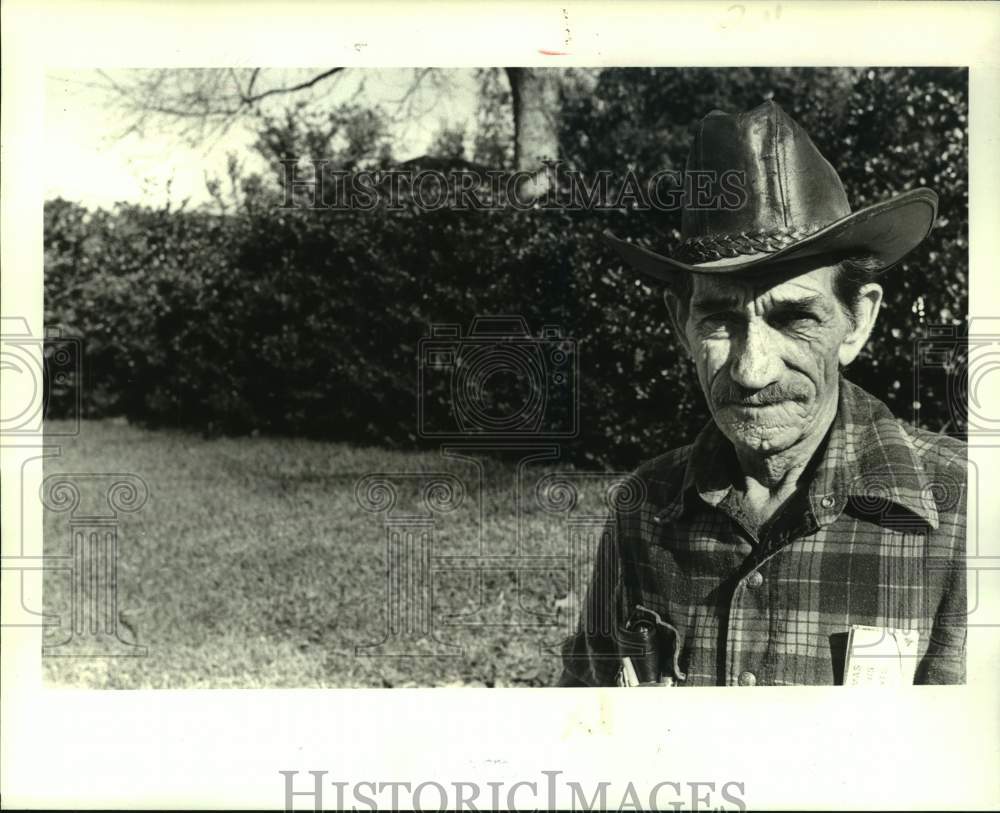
{"x": 793, "y": 207}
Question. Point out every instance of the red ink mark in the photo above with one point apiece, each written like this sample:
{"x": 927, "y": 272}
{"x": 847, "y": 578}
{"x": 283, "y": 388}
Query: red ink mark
{"x": 545, "y": 52}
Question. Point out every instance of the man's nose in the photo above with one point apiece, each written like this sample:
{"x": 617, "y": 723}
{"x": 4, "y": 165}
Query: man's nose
{"x": 755, "y": 361}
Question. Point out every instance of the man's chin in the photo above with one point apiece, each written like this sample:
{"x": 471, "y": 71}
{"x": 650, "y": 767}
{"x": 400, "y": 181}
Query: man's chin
{"x": 762, "y": 429}
{"x": 765, "y": 442}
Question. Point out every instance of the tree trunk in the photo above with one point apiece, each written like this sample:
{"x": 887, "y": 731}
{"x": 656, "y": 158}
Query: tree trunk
{"x": 535, "y": 97}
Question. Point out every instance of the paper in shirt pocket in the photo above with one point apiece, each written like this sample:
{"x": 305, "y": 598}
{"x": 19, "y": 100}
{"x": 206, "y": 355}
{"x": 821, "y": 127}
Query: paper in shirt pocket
{"x": 880, "y": 656}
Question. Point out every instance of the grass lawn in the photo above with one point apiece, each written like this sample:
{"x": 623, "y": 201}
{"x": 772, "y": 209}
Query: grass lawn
{"x": 252, "y": 564}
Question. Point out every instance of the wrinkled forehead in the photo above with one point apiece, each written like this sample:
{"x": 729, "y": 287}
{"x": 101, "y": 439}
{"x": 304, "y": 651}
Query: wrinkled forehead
{"x": 785, "y": 284}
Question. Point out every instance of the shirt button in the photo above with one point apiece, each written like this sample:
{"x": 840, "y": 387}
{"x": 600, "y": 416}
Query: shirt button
{"x": 755, "y": 579}
{"x": 748, "y": 679}
{"x": 827, "y": 502}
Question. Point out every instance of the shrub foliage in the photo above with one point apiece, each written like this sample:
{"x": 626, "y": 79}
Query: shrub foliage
{"x": 249, "y": 317}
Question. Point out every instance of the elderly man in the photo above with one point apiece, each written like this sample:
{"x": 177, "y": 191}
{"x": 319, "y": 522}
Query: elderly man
{"x": 806, "y": 536}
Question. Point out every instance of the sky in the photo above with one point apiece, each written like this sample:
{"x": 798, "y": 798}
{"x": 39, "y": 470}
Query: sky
{"x": 93, "y": 163}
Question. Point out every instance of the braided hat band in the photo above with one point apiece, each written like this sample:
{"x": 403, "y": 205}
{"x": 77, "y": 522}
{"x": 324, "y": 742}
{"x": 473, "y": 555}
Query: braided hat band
{"x": 736, "y": 244}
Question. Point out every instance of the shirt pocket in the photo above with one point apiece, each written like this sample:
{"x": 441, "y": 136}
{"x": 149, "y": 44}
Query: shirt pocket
{"x": 907, "y": 598}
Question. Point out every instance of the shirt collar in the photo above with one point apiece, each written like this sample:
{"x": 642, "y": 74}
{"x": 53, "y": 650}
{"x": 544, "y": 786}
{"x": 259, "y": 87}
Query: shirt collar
{"x": 867, "y": 458}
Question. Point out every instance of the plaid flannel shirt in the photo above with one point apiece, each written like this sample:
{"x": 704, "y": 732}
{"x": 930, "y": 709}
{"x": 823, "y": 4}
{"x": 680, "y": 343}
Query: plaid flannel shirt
{"x": 874, "y": 535}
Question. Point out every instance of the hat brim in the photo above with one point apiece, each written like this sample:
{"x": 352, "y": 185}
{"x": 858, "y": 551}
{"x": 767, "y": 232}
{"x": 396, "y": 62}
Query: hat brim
{"x": 887, "y": 231}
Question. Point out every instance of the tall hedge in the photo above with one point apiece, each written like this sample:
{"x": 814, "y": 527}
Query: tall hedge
{"x": 259, "y": 318}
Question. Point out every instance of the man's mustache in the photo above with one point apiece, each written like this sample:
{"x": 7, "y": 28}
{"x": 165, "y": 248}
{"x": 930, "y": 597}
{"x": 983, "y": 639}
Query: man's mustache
{"x": 729, "y": 393}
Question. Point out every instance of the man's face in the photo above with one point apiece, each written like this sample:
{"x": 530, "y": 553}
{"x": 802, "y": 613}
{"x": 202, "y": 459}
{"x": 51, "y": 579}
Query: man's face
{"x": 768, "y": 353}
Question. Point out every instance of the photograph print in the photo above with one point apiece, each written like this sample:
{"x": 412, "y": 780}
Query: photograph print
{"x": 505, "y": 377}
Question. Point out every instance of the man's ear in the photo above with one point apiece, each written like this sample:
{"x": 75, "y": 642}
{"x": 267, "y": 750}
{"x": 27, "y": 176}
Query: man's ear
{"x": 677, "y": 308}
{"x": 865, "y": 312}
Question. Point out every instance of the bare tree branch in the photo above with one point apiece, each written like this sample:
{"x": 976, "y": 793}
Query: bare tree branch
{"x": 202, "y": 102}
{"x": 253, "y": 80}
{"x": 291, "y": 89}
{"x": 201, "y": 105}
